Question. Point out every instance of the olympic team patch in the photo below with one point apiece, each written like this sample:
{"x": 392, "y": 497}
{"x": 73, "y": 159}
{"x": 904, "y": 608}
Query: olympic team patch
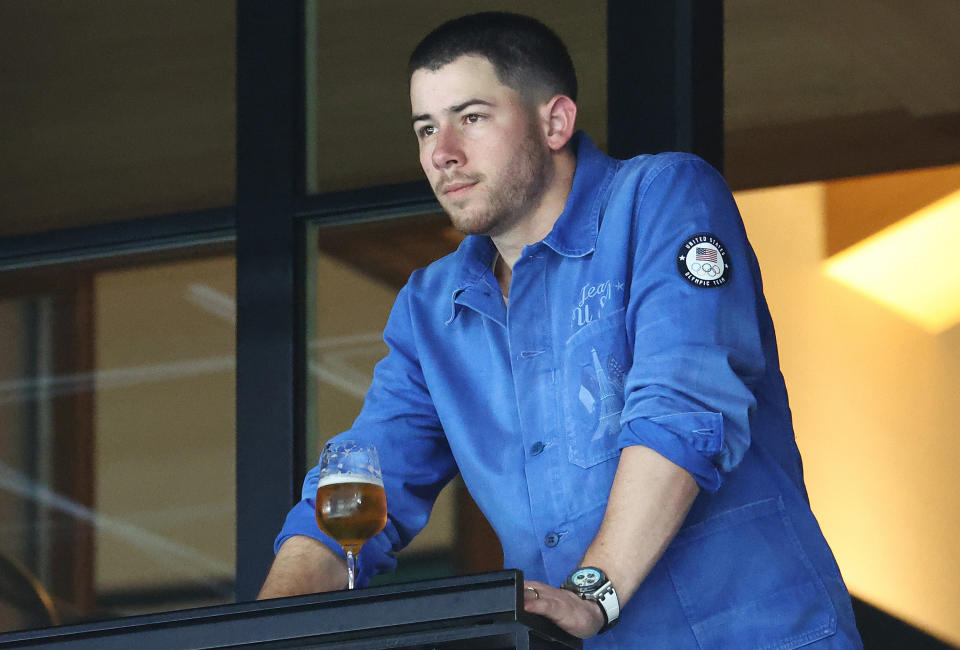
{"x": 703, "y": 261}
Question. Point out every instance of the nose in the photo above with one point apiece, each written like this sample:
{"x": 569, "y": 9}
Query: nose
{"x": 447, "y": 149}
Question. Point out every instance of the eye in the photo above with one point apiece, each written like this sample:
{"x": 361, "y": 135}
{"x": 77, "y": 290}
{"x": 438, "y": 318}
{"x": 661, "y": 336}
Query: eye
{"x": 426, "y": 130}
{"x": 472, "y": 118}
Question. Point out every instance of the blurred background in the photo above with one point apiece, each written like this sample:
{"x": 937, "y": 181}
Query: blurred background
{"x": 120, "y": 262}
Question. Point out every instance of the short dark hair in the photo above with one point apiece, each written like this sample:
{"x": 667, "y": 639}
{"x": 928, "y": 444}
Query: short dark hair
{"x": 526, "y": 55}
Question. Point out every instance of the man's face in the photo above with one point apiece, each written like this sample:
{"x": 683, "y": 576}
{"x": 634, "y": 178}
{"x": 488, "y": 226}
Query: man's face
{"x": 481, "y": 149}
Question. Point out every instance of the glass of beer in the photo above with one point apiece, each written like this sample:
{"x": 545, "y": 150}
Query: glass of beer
{"x": 351, "y": 502}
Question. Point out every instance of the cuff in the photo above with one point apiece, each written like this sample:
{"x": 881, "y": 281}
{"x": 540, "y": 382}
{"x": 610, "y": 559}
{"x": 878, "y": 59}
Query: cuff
{"x": 690, "y": 440}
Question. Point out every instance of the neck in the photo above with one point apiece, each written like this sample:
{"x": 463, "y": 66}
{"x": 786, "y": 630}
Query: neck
{"x": 538, "y": 224}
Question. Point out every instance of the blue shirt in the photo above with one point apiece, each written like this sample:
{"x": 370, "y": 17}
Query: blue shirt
{"x": 639, "y": 320}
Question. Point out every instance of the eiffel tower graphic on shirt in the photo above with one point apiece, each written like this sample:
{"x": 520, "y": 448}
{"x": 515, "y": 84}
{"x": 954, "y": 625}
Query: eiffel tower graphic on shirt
{"x": 611, "y": 403}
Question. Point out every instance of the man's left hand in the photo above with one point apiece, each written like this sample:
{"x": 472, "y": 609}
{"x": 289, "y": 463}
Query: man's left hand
{"x": 579, "y": 617}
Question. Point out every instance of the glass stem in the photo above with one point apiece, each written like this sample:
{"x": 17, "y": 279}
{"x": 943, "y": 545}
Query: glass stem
{"x": 351, "y": 568}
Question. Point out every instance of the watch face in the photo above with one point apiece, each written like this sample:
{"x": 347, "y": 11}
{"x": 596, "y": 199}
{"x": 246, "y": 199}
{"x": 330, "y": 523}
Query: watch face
{"x": 586, "y": 578}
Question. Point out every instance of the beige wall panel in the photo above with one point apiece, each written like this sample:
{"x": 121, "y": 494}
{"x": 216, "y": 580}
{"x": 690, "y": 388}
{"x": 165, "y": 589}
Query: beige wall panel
{"x": 858, "y": 207}
{"x": 873, "y": 399}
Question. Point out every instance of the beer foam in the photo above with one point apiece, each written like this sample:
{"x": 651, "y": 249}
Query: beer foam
{"x": 333, "y": 479}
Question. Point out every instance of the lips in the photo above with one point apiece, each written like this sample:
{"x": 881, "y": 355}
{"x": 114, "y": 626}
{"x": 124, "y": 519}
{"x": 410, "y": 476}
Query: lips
{"x": 456, "y": 186}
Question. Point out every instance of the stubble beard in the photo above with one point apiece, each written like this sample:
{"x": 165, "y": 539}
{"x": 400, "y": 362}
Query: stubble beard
{"x": 513, "y": 194}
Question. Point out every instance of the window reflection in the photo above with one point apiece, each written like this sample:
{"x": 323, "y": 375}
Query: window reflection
{"x": 117, "y": 440}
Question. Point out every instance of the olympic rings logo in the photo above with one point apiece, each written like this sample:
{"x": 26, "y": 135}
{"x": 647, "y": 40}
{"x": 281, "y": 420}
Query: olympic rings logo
{"x": 706, "y": 268}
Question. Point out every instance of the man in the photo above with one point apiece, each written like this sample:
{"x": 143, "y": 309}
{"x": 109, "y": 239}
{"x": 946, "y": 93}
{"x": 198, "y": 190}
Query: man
{"x": 598, "y": 362}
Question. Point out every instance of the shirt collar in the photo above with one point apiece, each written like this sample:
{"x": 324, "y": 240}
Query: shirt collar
{"x": 573, "y": 235}
{"x": 575, "y": 232}
{"x": 476, "y": 286}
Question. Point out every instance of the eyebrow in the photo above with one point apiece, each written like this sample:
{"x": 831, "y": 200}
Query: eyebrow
{"x": 456, "y": 108}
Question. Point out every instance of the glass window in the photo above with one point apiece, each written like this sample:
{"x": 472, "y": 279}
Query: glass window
{"x": 838, "y": 89}
{"x": 358, "y": 105}
{"x": 117, "y": 439}
{"x": 114, "y": 110}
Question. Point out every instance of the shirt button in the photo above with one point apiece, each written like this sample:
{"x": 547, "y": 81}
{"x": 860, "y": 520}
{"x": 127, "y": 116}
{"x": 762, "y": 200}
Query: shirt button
{"x": 551, "y": 540}
{"x": 537, "y": 448}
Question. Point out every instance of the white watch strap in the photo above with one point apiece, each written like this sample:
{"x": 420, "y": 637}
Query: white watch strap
{"x": 607, "y": 597}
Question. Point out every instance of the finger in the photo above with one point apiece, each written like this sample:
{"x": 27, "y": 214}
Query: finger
{"x": 532, "y": 586}
{"x": 534, "y": 600}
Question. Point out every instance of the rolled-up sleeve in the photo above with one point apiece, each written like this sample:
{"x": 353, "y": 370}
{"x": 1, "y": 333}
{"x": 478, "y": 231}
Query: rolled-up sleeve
{"x": 697, "y": 349}
{"x": 398, "y": 417}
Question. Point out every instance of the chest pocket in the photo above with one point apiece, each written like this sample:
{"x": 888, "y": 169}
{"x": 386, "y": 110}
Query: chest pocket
{"x": 594, "y": 370}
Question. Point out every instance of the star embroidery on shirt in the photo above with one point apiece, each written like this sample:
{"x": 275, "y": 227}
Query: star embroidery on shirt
{"x": 619, "y": 286}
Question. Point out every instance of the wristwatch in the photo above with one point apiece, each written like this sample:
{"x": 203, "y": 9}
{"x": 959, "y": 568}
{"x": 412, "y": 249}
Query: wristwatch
{"x": 590, "y": 583}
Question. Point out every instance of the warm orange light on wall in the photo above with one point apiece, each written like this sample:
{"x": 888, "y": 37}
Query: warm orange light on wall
{"x": 911, "y": 266}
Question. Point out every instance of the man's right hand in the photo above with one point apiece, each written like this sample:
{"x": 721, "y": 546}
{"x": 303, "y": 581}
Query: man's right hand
{"x": 304, "y": 566}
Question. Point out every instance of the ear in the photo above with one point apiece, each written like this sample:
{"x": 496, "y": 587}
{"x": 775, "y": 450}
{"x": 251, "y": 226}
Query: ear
{"x": 558, "y": 116}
